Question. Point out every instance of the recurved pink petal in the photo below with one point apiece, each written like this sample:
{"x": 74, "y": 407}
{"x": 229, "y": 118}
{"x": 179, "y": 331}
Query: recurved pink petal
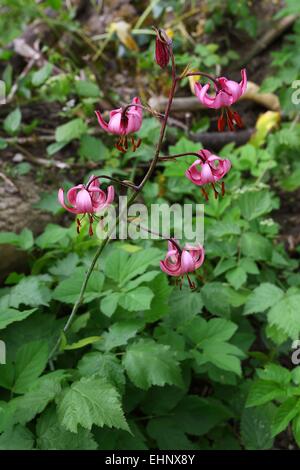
{"x": 61, "y": 200}
{"x": 101, "y": 121}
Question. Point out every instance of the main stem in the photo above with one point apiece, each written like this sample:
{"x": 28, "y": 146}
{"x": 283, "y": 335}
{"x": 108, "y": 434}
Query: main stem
{"x": 130, "y": 201}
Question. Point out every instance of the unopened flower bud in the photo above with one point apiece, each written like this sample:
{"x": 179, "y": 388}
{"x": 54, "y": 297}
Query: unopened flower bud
{"x": 162, "y": 48}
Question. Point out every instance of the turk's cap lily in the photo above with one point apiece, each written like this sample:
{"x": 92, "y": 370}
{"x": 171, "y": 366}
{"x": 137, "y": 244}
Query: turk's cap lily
{"x": 182, "y": 261}
{"x": 87, "y": 199}
{"x": 123, "y": 121}
{"x": 227, "y": 92}
{"x": 209, "y": 168}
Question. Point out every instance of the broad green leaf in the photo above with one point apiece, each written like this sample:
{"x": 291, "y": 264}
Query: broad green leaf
{"x": 109, "y": 303}
{"x": 254, "y": 245}
{"x": 53, "y": 235}
{"x": 105, "y": 365}
{"x": 31, "y": 360}
{"x": 68, "y": 290}
{"x": 92, "y": 400}
{"x": 52, "y": 436}
{"x": 169, "y": 435}
{"x": 263, "y": 297}
{"x": 284, "y": 414}
{"x": 12, "y": 122}
{"x": 137, "y": 299}
{"x": 92, "y": 149}
{"x": 263, "y": 391}
{"x": 216, "y": 298}
{"x": 10, "y": 315}
{"x": 236, "y": 277}
{"x": 87, "y": 89}
{"x": 39, "y": 77}
{"x": 255, "y": 204}
{"x": 17, "y": 438}
{"x": 256, "y": 427}
{"x": 71, "y": 130}
{"x": 197, "y": 416}
{"x": 119, "y": 333}
{"x": 29, "y": 291}
{"x": 148, "y": 363}
{"x": 285, "y": 315}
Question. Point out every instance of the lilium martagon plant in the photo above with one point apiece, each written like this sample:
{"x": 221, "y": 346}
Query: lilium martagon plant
{"x": 208, "y": 168}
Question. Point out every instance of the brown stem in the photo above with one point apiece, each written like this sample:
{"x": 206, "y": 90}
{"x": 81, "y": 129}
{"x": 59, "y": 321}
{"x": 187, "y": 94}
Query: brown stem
{"x": 172, "y": 157}
{"x": 127, "y": 184}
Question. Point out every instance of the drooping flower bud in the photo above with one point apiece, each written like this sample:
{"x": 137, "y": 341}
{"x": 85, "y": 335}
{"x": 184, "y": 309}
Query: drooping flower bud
{"x": 162, "y": 48}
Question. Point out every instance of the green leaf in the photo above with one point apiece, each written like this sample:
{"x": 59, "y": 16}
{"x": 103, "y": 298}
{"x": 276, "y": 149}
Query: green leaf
{"x": 262, "y": 391}
{"x": 284, "y": 414}
{"x": 236, "y": 277}
{"x": 255, "y": 204}
{"x": 52, "y": 436}
{"x": 216, "y": 299}
{"x": 184, "y": 305}
{"x": 91, "y": 401}
{"x": 87, "y": 89}
{"x": 256, "y": 246}
{"x": 263, "y": 297}
{"x": 109, "y": 303}
{"x": 148, "y": 363}
{"x": 289, "y": 322}
{"x": 106, "y": 366}
{"x": 197, "y": 416}
{"x": 81, "y": 343}
{"x": 10, "y": 315}
{"x": 66, "y": 266}
{"x": 52, "y": 235}
{"x": 71, "y": 130}
{"x": 31, "y": 360}
{"x": 275, "y": 373}
{"x": 137, "y": 299}
{"x": 12, "y": 122}
{"x": 122, "y": 267}
{"x": 68, "y": 290}
{"x": 92, "y": 149}
{"x": 256, "y": 427}
{"x": 223, "y": 355}
{"x": 17, "y": 438}
{"x": 169, "y": 435}
{"x": 29, "y": 291}
{"x": 119, "y": 334}
{"x": 39, "y": 77}
{"x": 45, "y": 389}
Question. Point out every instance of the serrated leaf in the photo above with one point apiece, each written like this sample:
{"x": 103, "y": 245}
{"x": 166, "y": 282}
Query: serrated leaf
{"x": 17, "y": 438}
{"x": 31, "y": 360}
{"x": 285, "y": 315}
{"x": 284, "y": 414}
{"x": 256, "y": 427}
{"x": 137, "y": 299}
{"x": 263, "y": 297}
{"x": 91, "y": 401}
{"x": 10, "y": 315}
{"x": 148, "y": 363}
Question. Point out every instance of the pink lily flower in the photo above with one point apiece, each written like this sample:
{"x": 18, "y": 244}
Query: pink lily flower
{"x": 227, "y": 93}
{"x": 179, "y": 262}
{"x": 124, "y": 121}
{"x": 208, "y": 169}
{"x": 87, "y": 199}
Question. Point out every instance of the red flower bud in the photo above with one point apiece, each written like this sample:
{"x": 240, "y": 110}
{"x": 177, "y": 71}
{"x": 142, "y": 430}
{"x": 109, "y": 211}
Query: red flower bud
{"x": 162, "y": 48}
